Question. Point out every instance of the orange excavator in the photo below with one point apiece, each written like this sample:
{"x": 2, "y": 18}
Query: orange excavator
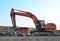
{"x": 40, "y": 24}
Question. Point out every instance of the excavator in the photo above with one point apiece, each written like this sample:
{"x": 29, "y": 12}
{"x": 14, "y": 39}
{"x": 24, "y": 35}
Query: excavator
{"x": 41, "y": 27}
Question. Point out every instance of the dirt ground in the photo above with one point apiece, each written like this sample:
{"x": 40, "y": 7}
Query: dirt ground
{"x": 40, "y": 38}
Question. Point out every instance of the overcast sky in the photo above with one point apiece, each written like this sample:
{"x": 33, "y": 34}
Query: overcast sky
{"x": 47, "y": 10}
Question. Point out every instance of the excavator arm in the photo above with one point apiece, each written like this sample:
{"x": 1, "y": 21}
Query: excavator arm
{"x": 22, "y": 13}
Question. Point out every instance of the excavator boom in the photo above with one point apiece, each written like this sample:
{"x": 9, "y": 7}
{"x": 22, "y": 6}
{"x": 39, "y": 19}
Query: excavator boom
{"x": 22, "y": 13}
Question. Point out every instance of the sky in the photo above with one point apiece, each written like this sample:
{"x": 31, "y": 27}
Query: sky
{"x": 47, "y": 10}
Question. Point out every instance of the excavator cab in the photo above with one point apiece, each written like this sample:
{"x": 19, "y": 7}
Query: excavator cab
{"x": 40, "y": 25}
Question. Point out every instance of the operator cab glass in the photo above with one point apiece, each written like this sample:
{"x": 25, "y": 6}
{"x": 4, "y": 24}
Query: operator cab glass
{"x": 40, "y": 25}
